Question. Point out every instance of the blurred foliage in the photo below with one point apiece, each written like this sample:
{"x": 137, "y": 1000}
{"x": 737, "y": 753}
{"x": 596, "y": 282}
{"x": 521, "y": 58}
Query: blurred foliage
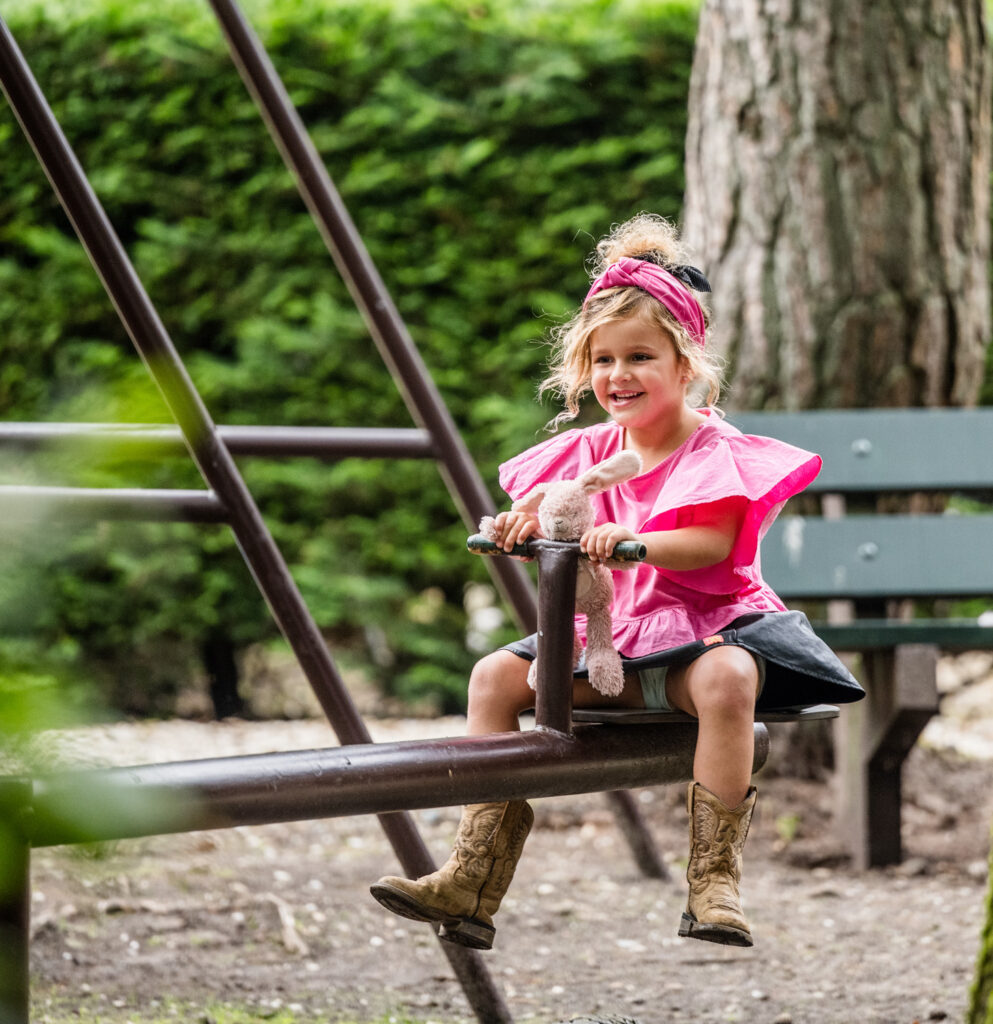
{"x": 480, "y": 148}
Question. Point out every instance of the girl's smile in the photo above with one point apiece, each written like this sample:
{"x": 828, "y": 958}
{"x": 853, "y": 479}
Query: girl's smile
{"x": 623, "y": 397}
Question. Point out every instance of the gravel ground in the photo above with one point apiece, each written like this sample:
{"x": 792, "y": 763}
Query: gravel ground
{"x": 278, "y": 918}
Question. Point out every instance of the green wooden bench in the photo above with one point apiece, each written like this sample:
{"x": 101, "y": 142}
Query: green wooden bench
{"x": 860, "y": 568}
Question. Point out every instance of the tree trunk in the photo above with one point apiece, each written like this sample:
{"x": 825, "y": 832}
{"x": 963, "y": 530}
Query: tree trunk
{"x": 837, "y": 196}
{"x": 838, "y": 178}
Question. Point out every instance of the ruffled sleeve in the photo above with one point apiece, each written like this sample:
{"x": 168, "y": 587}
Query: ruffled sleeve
{"x": 562, "y": 457}
{"x": 763, "y": 471}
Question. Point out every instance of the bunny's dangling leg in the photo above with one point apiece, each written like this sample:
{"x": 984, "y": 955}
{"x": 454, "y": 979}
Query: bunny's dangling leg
{"x": 602, "y": 660}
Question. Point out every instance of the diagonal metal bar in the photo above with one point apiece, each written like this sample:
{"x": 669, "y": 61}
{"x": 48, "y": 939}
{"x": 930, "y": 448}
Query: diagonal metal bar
{"x": 264, "y": 559}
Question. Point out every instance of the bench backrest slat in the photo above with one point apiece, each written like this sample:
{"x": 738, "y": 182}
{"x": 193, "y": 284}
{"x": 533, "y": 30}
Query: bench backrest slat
{"x": 887, "y": 449}
{"x": 879, "y": 556}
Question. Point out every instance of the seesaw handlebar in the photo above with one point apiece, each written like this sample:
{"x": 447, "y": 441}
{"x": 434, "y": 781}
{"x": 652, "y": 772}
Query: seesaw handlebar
{"x": 625, "y": 551}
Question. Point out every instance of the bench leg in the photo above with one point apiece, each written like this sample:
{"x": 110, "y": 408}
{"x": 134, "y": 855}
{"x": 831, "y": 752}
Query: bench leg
{"x": 875, "y": 737}
{"x": 15, "y": 901}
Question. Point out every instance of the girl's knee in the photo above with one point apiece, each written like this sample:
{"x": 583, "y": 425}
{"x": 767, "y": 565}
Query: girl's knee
{"x": 500, "y": 678}
{"x": 728, "y": 686}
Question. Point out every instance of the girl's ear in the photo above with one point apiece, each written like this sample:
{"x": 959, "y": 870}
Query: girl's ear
{"x": 530, "y": 501}
{"x": 687, "y": 376}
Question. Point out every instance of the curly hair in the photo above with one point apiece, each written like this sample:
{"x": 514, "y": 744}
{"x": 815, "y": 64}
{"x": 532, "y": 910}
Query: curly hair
{"x": 646, "y": 237}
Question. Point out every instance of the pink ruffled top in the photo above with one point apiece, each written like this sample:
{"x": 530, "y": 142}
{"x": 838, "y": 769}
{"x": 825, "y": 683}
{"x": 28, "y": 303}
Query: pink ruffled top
{"x": 655, "y": 609}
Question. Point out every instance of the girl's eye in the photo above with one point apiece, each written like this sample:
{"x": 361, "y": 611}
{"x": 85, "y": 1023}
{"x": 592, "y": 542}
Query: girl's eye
{"x": 641, "y": 357}
{"x": 602, "y": 359}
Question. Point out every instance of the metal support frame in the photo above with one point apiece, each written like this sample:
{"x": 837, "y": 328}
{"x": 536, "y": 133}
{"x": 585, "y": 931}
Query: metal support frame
{"x": 228, "y": 498}
{"x": 217, "y": 467}
{"x": 390, "y": 335}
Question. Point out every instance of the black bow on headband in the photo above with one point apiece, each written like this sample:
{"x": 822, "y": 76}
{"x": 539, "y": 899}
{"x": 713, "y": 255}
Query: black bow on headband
{"x": 691, "y": 277}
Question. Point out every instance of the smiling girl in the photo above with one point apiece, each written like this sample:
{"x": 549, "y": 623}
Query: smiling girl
{"x": 697, "y": 627}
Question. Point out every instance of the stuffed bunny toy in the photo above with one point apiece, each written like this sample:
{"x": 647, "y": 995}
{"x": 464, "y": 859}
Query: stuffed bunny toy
{"x": 565, "y": 513}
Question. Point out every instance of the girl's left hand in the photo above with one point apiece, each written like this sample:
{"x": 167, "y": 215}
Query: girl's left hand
{"x": 599, "y": 542}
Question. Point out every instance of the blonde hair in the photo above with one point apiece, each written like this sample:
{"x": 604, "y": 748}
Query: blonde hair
{"x": 648, "y": 237}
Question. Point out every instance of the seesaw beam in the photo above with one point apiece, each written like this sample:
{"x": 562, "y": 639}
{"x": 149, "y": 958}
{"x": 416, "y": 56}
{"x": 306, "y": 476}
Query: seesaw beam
{"x": 375, "y": 778}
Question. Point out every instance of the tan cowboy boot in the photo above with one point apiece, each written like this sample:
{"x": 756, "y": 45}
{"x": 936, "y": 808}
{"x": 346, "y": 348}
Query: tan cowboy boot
{"x": 465, "y": 893}
{"x": 717, "y": 836}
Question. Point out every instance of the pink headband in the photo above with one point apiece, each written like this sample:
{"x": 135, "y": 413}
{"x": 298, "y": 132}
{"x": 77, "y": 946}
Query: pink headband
{"x": 663, "y": 285}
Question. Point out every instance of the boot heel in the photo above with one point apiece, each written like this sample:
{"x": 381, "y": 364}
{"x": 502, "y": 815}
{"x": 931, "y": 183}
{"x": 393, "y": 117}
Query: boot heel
{"x": 467, "y": 932}
{"x": 725, "y": 935}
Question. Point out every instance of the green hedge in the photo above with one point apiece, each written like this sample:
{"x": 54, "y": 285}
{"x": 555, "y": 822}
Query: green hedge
{"x": 479, "y": 146}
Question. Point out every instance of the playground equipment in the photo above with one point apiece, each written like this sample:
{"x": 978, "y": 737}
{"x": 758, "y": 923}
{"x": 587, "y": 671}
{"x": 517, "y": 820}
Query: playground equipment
{"x": 358, "y": 777}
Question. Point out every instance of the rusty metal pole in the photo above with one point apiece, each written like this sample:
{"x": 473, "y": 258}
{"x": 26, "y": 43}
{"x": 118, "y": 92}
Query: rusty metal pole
{"x": 556, "y": 612}
{"x": 264, "y": 559}
{"x": 368, "y": 778}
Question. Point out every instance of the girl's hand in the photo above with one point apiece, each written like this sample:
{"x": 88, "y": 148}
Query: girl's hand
{"x": 599, "y": 542}
{"x": 515, "y": 528}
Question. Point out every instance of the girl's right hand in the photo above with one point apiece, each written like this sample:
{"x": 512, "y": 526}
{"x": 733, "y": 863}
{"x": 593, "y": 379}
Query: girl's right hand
{"x": 515, "y": 528}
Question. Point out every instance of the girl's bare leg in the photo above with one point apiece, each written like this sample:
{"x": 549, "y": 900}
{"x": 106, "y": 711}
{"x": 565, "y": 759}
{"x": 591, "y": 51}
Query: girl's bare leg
{"x": 499, "y": 692}
{"x": 720, "y": 689}
{"x": 462, "y": 896}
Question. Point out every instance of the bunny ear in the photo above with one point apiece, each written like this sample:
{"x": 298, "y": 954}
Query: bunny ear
{"x": 617, "y": 468}
{"x": 530, "y": 501}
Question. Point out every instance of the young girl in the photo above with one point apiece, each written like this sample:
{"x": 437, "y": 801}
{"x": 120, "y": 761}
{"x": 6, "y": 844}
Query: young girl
{"x": 697, "y": 627}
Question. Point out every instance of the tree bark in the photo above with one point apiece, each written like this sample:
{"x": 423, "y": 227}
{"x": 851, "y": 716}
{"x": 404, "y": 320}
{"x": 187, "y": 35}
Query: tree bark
{"x": 838, "y": 179}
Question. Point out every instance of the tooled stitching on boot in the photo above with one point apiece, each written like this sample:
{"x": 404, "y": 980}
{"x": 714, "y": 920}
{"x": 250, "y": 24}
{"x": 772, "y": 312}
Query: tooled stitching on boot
{"x": 479, "y": 852}
{"x": 713, "y": 843}
{"x": 714, "y": 870}
{"x": 508, "y": 864}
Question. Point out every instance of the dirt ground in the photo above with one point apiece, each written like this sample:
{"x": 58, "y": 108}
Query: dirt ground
{"x": 278, "y": 919}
